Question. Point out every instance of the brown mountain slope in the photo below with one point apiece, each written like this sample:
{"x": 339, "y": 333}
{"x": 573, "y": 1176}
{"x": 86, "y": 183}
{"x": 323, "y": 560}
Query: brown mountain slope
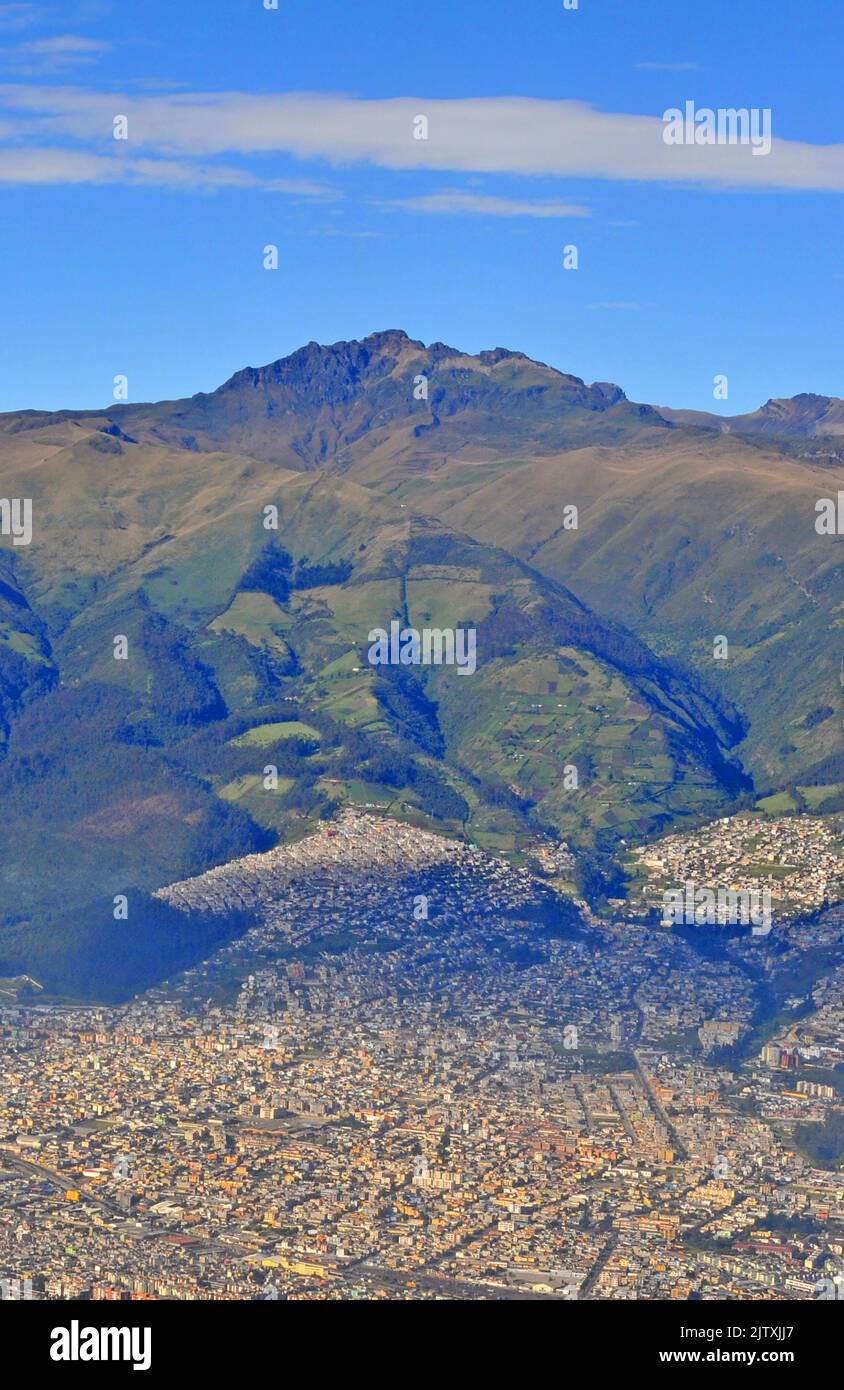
{"x": 795, "y": 417}
{"x": 689, "y": 526}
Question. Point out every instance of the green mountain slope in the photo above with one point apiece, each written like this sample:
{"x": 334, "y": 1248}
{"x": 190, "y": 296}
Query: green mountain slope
{"x": 690, "y": 526}
{"x": 246, "y": 708}
{"x": 239, "y": 547}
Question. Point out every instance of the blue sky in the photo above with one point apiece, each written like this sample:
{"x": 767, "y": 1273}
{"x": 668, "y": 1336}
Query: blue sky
{"x": 293, "y": 127}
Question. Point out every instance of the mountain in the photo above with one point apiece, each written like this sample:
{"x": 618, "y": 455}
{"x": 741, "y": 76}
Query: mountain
{"x": 247, "y": 651}
{"x": 412, "y": 483}
{"x": 690, "y": 526}
{"x": 684, "y": 540}
{"x": 329, "y": 406}
{"x": 796, "y": 417}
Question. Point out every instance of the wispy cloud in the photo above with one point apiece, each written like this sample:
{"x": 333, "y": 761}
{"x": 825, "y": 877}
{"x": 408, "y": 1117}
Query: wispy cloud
{"x": 341, "y": 232}
{"x": 46, "y": 57}
{"x": 19, "y": 16}
{"x": 508, "y": 135}
{"x": 63, "y": 166}
{"x": 452, "y": 200}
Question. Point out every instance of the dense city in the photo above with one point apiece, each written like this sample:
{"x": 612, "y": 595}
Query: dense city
{"x": 421, "y": 1074}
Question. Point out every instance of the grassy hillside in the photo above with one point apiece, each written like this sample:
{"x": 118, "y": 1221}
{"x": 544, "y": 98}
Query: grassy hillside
{"x": 690, "y": 526}
{"x": 237, "y": 548}
{"x": 245, "y": 708}
{"x": 697, "y": 538}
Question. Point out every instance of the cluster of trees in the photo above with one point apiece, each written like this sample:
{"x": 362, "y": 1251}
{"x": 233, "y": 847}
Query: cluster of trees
{"x": 599, "y": 876}
{"x": 823, "y": 1144}
{"x": 308, "y": 576}
{"x": 818, "y": 716}
{"x": 81, "y": 800}
{"x": 341, "y": 752}
{"x": 21, "y": 678}
{"x": 269, "y": 573}
{"x": 212, "y": 752}
{"x": 398, "y": 768}
{"x": 181, "y": 691}
{"x": 273, "y": 572}
{"x": 401, "y": 694}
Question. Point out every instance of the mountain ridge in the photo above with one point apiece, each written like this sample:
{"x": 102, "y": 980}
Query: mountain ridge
{"x": 800, "y": 414}
{"x": 596, "y": 547}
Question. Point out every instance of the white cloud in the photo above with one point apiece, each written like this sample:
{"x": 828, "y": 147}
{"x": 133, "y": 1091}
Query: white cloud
{"x": 341, "y": 232}
{"x": 51, "y": 166}
{"x": 43, "y": 57}
{"x": 512, "y": 135}
{"x": 61, "y": 166}
{"x": 453, "y": 200}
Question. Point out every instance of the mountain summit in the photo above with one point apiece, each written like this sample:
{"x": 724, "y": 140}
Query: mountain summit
{"x": 242, "y": 544}
{"x": 312, "y": 408}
